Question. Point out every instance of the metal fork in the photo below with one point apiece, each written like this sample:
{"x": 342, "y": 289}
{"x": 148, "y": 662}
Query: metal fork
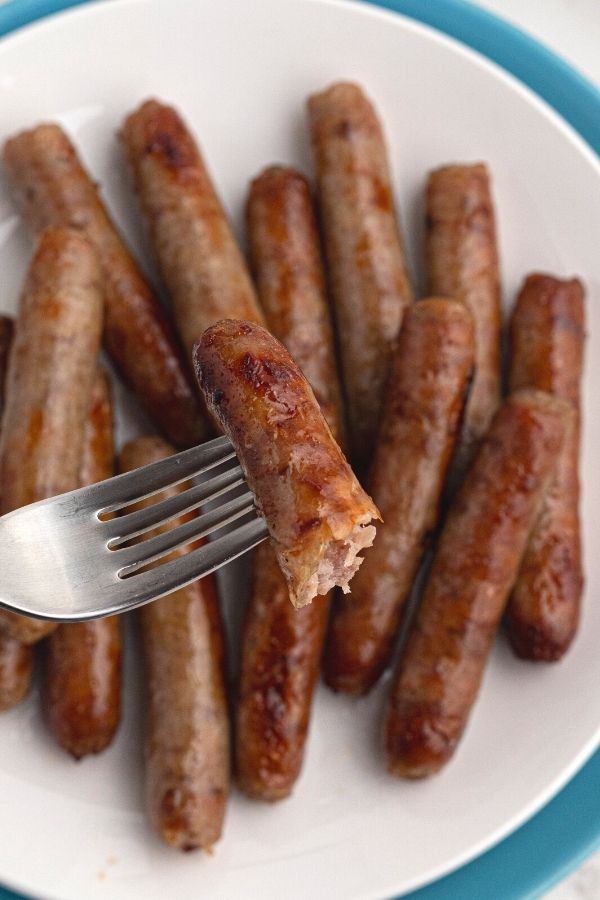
{"x": 65, "y": 559}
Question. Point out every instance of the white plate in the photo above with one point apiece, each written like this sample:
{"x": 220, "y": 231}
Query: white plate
{"x": 240, "y": 72}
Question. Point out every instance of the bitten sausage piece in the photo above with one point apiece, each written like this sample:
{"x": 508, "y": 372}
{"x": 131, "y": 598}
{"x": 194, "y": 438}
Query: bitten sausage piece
{"x": 316, "y": 511}
{"x": 49, "y": 382}
{"x": 475, "y": 566}
{"x": 547, "y": 337}
{"x": 281, "y": 647}
{"x": 197, "y": 252}
{"x": 423, "y": 412}
{"x": 83, "y": 661}
{"x": 16, "y": 659}
{"x": 187, "y": 728}
{"x": 53, "y": 188}
{"x": 462, "y": 262}
{"x": 369, "y": 278}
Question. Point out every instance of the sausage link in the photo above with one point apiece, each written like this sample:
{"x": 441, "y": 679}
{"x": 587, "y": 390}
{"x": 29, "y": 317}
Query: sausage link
{"x": 282, "y": 646}
{"x": 317, "y": 513}
{"x": 83, "y": 659}
{"x": 462, "y": 262}
{"x": 53, "y": 188}
{"x": 547, "y": 331}
{"x": 49, "y": 382}
{"x": 421, "y": 423}
{"x": 197, "y": 252}
{"x": 16, "y": 659}
{"x": 475, "y": 567}
{"x": 369, "y": 279}
{"x": 187, "y": 728}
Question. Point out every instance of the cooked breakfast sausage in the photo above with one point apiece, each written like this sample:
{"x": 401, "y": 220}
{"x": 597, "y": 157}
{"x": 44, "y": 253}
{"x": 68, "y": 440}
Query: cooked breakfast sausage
{"x": 547, "y": 337}
{"x": 462, "y": 262}
{"x": 197, "y": 252}
{"x": 474, "y": 569}
{"x": 421, "y": 422}
{"x": 53, "y": 188}
{"x": 316, "y": 511}
{"x": 187, "y": 728}
{"x": 83, "y": 659}
{"x": 281, "y": 646}
{"x": 6, "y": 335}
{"x": 16, "y": 659}
{"x": 369, "y": 278}
{"x": 49, "y": 382}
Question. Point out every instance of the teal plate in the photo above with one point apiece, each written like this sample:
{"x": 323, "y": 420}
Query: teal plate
{"x": 559, "y": 838}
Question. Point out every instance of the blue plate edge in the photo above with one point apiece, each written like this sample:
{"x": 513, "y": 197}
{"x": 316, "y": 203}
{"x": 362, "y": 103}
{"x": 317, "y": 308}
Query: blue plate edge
{"x": 577, "y": 100}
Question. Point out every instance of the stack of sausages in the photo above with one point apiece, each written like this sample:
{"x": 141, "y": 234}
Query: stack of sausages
{"x": 485, "y": 487}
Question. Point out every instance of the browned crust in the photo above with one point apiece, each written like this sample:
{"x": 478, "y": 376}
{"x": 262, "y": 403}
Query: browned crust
{"x": 547, "y": 333}
{"x": 475, "y": 567}
{"x": 421, "y": 423}
{"x": 369, "y": 278}
{"x": 187, "y": 728}
{"x": 462, "y": 262}
{"x": 307, "y": 492}
{"x": 49, "y": 382}
{"x": 52, "y": 188}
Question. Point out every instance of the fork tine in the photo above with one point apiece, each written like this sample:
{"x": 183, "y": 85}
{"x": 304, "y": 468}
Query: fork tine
{"x": 130, "y": 525}
{"x": 130, "y": 559}
{"x": 181, "y": 571}
{"x": 134, "y": 486}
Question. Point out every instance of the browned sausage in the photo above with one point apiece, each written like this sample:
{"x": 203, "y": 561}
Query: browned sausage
{"x": 462, "y": 262}
{"x": 475, "y": 566}
{"x": 6, "y": 335}
{"x": 16, "y": 659}
{"x": 53, "y": 188}
{"x": 49, "y": 382}
{"x": 197, "y": 252}
{"x": 369, "y": 278}
{"x": 281, "y": 647}
{"x": 421, "y": 422}
{"x": 547, "y": 337}
{"x": 316, "y": 511}
{"x": 83, "y": 661}
{"x": 187, "y": 728}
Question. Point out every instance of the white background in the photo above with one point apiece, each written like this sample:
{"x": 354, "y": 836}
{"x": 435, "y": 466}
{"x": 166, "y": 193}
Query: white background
{"x": 571, "y": 28}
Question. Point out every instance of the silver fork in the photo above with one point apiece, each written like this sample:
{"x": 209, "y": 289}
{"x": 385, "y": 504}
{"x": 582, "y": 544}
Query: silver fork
{"x": 63, "y": 559}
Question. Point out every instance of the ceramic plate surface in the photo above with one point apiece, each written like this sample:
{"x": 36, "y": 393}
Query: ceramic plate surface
{"x": 240, "y": 72}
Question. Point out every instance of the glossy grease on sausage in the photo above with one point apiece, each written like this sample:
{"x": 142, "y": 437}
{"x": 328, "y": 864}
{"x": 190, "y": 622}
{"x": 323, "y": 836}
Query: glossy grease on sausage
{"x": 369, "y": 278}
{"x": 194, "y": 243}
{"x": 547, "y": 332}
{"x": 53, "y": 188}
{"x": 421, "y": 423}
{"x": 282, "y": 646}
{"x": 475, "y": 566}
{"x": 187, "y": 728}
{"x": 83, "y": 659}
{"x": 49, "y": 382}
{"x": 462, "y": 262}
{"x": 317, "y": 513}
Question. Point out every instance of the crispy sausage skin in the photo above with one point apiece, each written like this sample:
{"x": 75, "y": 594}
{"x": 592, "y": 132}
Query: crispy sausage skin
{"x": 317, "y": 513}
{"x": 425, "y": 400}
{"x": 16, "y": 659}
{"x": 474, "y": 569}
{"x": 197, "y": 252}
{"x": 49, "y": 382}
{"x": 83, "y": 659}
{"x": 281, "y": 646}
{"x": 462, "y": 262}
{"x": 369, "y": 278}
{"x": 547, "y": 331}
{"x": 187, "y": 728}
{"x": 53, "y": 188}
